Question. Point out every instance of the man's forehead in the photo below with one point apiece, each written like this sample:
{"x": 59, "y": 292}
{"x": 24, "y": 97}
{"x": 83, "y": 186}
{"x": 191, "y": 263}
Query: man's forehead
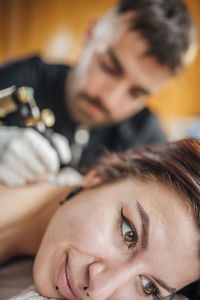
{"x": 111, "y": 27}
{"x": 123, "y": 20}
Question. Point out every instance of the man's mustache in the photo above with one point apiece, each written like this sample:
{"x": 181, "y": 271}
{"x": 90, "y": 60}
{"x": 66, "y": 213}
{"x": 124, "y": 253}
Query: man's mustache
{"x": 95, "y": 101}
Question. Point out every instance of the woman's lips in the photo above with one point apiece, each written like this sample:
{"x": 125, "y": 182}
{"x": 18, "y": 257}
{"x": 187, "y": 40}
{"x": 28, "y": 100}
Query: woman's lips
{"x": 64, "y": 284}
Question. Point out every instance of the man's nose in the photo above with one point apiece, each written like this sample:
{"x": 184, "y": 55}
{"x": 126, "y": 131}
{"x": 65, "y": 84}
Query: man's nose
{"x": 105, "y": 280}
{"x": 112, "y": 95}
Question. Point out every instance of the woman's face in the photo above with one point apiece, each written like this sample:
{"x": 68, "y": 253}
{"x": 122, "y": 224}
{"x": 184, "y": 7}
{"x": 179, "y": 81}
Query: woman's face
{"x": 122, "y": 241}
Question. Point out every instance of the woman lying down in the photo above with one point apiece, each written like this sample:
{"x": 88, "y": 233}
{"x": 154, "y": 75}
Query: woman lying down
{"x": 130, "y": 231}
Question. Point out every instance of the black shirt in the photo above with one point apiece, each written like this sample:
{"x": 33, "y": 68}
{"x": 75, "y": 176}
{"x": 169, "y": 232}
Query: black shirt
{"x": 48, "y": 82}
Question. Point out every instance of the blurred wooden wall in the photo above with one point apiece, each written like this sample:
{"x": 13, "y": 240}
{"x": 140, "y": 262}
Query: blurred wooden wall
{"x": 29, "y": 26}
{"x": 54, "y": 28}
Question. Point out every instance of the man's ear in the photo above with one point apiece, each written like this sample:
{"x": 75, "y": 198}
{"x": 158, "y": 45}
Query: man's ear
{"x": 89, "y": 30}
{"x": 91, "y": 179}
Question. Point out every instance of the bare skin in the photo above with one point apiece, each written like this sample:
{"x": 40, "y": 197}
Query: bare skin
{"x": 90, "y": 231}
{"x": 87, "y": 229}
{"x": 22, "y": 225}
{"x": 114, "y": 76}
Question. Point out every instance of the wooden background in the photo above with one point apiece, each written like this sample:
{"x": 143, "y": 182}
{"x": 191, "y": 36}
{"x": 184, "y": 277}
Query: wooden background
{"x": 54, "y": 29}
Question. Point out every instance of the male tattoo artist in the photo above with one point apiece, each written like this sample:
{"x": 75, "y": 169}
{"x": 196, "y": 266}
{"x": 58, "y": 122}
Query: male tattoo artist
{"x": 131, "y": 53}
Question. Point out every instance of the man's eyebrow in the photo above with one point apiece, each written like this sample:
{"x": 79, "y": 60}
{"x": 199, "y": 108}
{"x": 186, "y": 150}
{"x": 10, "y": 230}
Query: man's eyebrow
{"x": 171, "y": 290}
{"x": 139, "y": 89}
{"x": 120, "y": 68}
{"x": 145, "y": 226}
{"x": 115, "y": 60}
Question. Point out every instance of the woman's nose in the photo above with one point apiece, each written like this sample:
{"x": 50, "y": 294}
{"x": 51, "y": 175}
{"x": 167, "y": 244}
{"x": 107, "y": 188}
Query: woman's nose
{"x": 105, "y": 280}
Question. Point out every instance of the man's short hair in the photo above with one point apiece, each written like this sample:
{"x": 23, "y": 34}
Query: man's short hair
{"x": 167, "y": 26}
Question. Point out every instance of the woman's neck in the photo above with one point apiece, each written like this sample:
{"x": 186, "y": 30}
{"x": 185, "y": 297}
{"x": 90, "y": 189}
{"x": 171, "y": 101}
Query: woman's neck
{"x": 28, "y": 210}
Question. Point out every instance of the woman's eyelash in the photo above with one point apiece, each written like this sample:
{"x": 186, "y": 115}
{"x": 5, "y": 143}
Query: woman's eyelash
{"x": 156, "y": 295}
{"x": 150, "y": 289}
{"x": 130, "y": 237}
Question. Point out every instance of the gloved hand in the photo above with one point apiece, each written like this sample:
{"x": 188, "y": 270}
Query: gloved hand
{"x": 66, "y": 176}
{"x": 25, "y": 155}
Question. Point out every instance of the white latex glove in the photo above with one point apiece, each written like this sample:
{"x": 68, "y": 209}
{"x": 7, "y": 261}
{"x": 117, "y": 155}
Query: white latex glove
{"x": 25, "y": 155}
{"x": 66, "y": 176}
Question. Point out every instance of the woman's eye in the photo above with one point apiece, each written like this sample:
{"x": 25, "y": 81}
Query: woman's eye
{"x": 129, "y": 233}
{"x": 149, "y": 287}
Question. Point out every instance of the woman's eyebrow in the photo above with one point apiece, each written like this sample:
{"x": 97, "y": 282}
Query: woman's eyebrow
{"x": 145, "y": 239}
{"x": 145, "y": 226}
{"x": 116, "y": 62}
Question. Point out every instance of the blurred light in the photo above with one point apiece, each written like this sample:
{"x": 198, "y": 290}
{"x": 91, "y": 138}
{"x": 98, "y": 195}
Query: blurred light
{"x": 82, "y": 136}
{"x": 59, "y": 48}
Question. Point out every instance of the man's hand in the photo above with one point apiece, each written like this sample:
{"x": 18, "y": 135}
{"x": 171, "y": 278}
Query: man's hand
{"x": 25, "y": 155}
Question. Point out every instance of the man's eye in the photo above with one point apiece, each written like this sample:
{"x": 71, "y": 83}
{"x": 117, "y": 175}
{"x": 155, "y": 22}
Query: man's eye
{"x": 109, "y": 69}
{"x": 136, "y": 94}
{"x": 129, "y": 233}
{"x": 149, "y": 288}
